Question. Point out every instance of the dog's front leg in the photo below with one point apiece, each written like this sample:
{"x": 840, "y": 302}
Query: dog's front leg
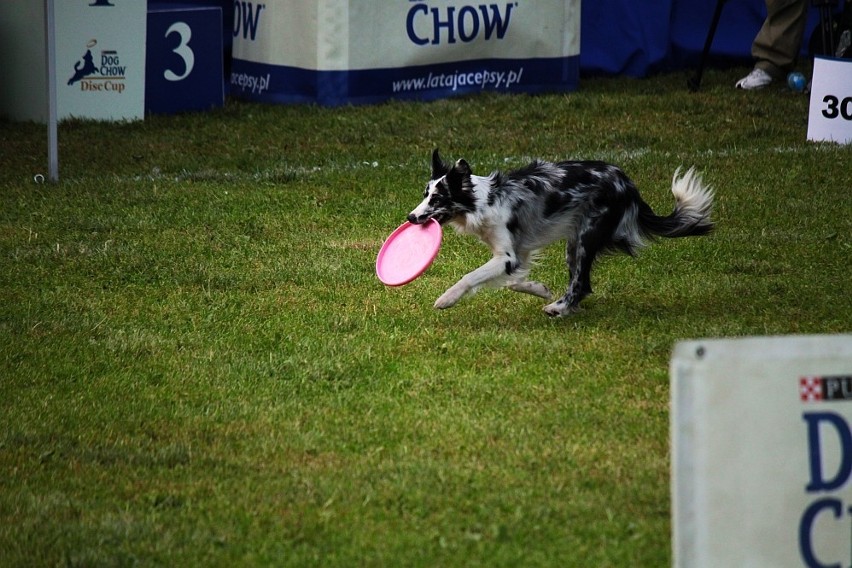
{"x": 491, "y": 270}
{"x": 532, "y": 288}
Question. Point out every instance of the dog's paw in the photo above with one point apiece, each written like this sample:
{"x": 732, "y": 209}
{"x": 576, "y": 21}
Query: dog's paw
{"x": 443, "y": 303}
{"x": 544, "y": 292}
{"x": 559, "y": 309}
{"x": 534, "y": 288}
{"x": 553, "y": 310}
{"x": 449, "y": 299}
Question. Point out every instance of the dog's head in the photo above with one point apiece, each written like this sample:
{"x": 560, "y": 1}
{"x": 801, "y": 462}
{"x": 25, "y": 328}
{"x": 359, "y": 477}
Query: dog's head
{"x": 448, "y": 194}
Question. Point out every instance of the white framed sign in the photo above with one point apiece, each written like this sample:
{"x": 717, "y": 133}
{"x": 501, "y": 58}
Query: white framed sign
{"x": 100, "y": 59}
{"x": 830, "y": 111}
{"x": 761, "y": 433}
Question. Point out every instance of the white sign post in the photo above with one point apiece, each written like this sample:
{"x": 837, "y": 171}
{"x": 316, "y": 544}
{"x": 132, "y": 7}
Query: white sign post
{"x": 761, "y": 432}
{"x": 52, "y": 128}
{"x": 830, "y": 112}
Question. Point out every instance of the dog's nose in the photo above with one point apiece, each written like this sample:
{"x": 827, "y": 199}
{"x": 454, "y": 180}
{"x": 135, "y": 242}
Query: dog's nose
{"x": 412, "y": 218}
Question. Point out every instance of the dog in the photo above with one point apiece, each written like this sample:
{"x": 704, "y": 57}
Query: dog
{"x": 592, "y": 205}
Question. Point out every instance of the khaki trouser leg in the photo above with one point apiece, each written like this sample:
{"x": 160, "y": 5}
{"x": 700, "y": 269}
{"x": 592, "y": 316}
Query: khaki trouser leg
{"x": 779, "y": 40}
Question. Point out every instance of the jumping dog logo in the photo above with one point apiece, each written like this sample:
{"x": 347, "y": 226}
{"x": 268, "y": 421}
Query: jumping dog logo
{"x": 109, "y": 75}
{"x": 86, "y": 66}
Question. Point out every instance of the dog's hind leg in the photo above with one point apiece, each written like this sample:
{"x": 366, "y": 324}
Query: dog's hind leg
{"x": 578, "y": 288}
{"x": 580, "y": 256}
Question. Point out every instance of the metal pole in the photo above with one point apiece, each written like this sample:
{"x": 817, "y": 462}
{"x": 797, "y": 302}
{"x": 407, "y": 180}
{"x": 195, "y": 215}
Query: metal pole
{"x": 52, "y": 133}
{"x": 694, "y": 82}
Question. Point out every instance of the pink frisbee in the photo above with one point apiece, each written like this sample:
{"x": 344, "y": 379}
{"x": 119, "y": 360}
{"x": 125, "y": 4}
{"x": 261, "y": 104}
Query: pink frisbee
{"x": 408, "y": 252}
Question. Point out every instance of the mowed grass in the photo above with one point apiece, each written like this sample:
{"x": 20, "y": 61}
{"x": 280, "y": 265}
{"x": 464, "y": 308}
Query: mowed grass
{"x": 199, "y": 367}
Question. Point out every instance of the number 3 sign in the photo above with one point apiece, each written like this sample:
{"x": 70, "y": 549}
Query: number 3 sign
{"x": 830, "y": 113}
{"x": 182, "y": 50}
{"x": 183, "y": 67}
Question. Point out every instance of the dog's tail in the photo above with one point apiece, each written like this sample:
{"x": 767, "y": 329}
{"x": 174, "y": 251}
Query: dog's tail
{"x": 691, "y": 215}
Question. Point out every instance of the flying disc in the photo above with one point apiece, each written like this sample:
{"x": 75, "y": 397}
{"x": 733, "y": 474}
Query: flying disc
{"x": 408, "y": 252}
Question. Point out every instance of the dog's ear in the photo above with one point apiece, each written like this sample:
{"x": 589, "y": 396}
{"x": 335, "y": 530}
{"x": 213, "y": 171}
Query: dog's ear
{"x": 439, "y": 167}
{"x": 463, "y": 168}
{"x": 459, "y": 176}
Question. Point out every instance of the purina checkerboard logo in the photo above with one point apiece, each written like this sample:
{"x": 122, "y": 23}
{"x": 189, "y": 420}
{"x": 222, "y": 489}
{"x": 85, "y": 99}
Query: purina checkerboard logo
{"x": 820, "y": 389}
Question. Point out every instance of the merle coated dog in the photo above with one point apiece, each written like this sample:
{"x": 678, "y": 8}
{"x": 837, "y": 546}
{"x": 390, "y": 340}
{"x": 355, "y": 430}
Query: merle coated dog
{"x": 592, "y": 205}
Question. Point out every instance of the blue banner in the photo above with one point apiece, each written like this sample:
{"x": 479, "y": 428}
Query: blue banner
{"x": 284, "y": 84}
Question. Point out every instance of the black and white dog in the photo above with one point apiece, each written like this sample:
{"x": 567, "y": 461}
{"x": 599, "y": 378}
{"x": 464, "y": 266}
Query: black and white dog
{"x": 594, "y": 206}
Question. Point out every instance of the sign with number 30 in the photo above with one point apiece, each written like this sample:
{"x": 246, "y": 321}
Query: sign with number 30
{"x": 830, "y": 113}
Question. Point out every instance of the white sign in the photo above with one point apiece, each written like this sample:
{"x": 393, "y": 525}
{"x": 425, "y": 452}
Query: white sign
{"x": 830, "y": 113}
{"x": 761, "y": 432}
{"x": 100, "y": 59}
{"x": 338, "y": 51}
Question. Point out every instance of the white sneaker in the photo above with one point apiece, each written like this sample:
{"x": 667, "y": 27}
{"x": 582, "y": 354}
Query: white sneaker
{"x": 757, "y": 79}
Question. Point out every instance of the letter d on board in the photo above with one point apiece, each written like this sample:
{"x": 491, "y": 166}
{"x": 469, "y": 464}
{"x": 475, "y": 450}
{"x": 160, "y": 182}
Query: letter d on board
{"x": 815, "y": 450}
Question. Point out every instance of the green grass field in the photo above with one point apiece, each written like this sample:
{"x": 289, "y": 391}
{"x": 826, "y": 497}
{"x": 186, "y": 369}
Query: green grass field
{"x": 198, "y": 366}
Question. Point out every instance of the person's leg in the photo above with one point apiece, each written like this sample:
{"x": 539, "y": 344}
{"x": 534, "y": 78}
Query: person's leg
{"x": 777, "y": 44}
{"x": 779, "y": 41}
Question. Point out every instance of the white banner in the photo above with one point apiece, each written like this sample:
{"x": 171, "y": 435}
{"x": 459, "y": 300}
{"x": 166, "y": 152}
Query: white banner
{"x": 338, "y": 51}
{"x": 761, "y": 432}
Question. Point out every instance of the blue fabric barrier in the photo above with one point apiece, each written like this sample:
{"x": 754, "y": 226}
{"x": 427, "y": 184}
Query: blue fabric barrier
{"x": 623, "y": 37}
